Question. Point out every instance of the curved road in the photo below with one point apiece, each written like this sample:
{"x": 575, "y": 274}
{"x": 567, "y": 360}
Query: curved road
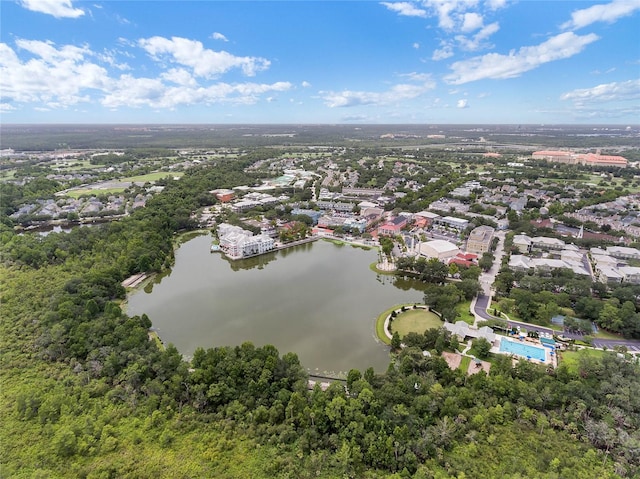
{"x": 480, "y": 310}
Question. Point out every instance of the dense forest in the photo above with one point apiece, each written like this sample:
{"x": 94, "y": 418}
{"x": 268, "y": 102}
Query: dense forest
{"x": 86, "y": 393}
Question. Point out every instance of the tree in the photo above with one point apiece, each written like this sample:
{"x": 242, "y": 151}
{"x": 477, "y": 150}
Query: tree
{"x": 469, "y": 288}
{"x": 546, "y": 311}
{"x": 525, "y": 304}
{"x": 395, "y": 341}
{"x": 609, "y": 318}
{"x": 482, "y": 347}
{"x": 504, "y": 282}
{"x": 486, "y": 261}
{"x": 434, "y": 272}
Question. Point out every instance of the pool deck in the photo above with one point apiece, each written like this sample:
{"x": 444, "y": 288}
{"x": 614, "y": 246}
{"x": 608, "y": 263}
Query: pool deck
{"x": 550, "y": 359}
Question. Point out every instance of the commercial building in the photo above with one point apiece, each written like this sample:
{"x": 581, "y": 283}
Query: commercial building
{"x": 223, "y": 195}
{"x": 368, "y": 192}
{"x": 439, "y": 249}
{"x": 237, "y": 243}
{"x": 452, "y": 222}
{"x": 572, "y": 158}
{"x": 393, "y": 226}
{"x": 424, "y": 219}
{"x": 479, "y": 240}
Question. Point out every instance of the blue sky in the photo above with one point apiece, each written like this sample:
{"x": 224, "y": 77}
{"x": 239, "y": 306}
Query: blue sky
{"x": 428, "y": 61}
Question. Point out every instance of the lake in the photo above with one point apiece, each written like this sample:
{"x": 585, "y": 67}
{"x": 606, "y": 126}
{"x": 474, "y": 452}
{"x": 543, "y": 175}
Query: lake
{"x": 319, "y": 300}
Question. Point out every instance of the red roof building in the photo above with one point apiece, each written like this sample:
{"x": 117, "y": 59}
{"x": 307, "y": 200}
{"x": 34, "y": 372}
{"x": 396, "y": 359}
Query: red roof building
{"x": 393, "y": 226}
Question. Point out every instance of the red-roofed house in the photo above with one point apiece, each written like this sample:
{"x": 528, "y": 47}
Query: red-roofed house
{"x": 465, "y": 259}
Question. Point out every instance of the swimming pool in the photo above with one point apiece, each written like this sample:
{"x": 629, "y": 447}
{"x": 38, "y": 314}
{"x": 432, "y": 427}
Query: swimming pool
{"x": 522, "y": 349}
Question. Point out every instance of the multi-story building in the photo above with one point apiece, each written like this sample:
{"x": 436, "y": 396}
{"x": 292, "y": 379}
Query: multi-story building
{"x": 522, "y": 243}
{"x": 572, "y": 158}
{"x": 452, "y": 222}
{"x": 479, "y": 240}
{"x": 623, "y": 252}
{"x": 237, "y": 243}
{"x": 393, "y": 226}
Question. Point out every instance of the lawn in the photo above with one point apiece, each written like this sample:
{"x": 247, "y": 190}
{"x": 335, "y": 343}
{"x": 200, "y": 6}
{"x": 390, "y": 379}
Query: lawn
{"x": 464, "y": 314}
{"x": 415, "y": 320}
{"x": 95, "y": 191}
{"x": 151, "y": 177}
{"x": 602, "y": 334}
{"x": 464, "y": 364}
{"x": 380, "y": 325}
{"x": 7, "y": 174}
{"x": 572, "y": 358}
{"x": 125, "y": 182}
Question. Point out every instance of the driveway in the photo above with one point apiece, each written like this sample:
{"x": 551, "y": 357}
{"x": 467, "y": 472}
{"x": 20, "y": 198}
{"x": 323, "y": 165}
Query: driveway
{"x": 482, "y": 302}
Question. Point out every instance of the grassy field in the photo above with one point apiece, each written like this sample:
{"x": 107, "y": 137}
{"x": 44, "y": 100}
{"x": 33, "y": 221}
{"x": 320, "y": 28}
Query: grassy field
{"x": 77, "y": 165}
{"x": 464, "y": 314}
{"x": 94, "y": 191}
{"x": 464, "y": 364}
{"x": 151, "y": 177}
{"x": 415, "y": 320}
{"x": 602, "y": 334}
{"x": 594, "y": 180}
{"x": 7, "y": 175}
{"x": 571, "y": 358}
{"x": 126, "y": 183}
{"x": 380, "y": 325}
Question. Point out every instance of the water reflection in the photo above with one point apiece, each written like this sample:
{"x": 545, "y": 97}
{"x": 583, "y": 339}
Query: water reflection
{"x": 319, "y": 300}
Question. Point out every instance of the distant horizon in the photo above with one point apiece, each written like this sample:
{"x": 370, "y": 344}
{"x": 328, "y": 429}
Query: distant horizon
{"x": 354, "y": 125}
{"x": 267, "y": 62}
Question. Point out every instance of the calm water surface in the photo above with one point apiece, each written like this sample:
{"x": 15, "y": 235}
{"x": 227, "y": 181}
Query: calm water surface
{"x": 319, "y": 300}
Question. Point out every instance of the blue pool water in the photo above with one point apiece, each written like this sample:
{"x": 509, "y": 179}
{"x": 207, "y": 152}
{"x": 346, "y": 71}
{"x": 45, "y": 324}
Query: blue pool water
{"x": 522, "y": 349}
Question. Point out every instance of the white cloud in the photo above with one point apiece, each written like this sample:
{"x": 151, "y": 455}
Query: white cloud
{"x": 6, "y": 107}
{"x": 356, "y": 118}
{"x": 497, "y": 66}
{"x": 416, "y": 45}
{"x": 471, "y": 21}
{"x": 179, "y": 76}
{"x": 496, "y": 4}
{"x": 56, "y": 8}
{"x": 477, "y": 41}
{"x": 462, "y": 104}
{"x": 405, "y": 8}
{"x": 151, "y": 92}
{"x": 602, "y": 13}
{"x": 424, "y": 78}
{"x": 442, "y": 53}
{"x": 56, "y": 77}
{"x": 306, "y": 84}
{"x": 205, "y": 63}
{"x": 219, "y": 36}
{"x": 450, "y": 13}
{"x": 616, "y": 91}
{"x": 403, "y": 91}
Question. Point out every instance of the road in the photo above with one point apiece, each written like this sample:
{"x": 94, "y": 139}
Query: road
{"x": 481, "y": 311}
{"x": 483, "y": 302}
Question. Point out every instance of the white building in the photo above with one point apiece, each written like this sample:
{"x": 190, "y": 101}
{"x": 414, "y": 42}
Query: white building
{"x": 623, "y": 252}
{"x": 522, "y": 243}
{"x": 452, "y": 222}
{"x": 237, "y": 243}
{"x": 544, "y": 242}
{"x": 440, "y": 249}
{"x": 519, "y": 262}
